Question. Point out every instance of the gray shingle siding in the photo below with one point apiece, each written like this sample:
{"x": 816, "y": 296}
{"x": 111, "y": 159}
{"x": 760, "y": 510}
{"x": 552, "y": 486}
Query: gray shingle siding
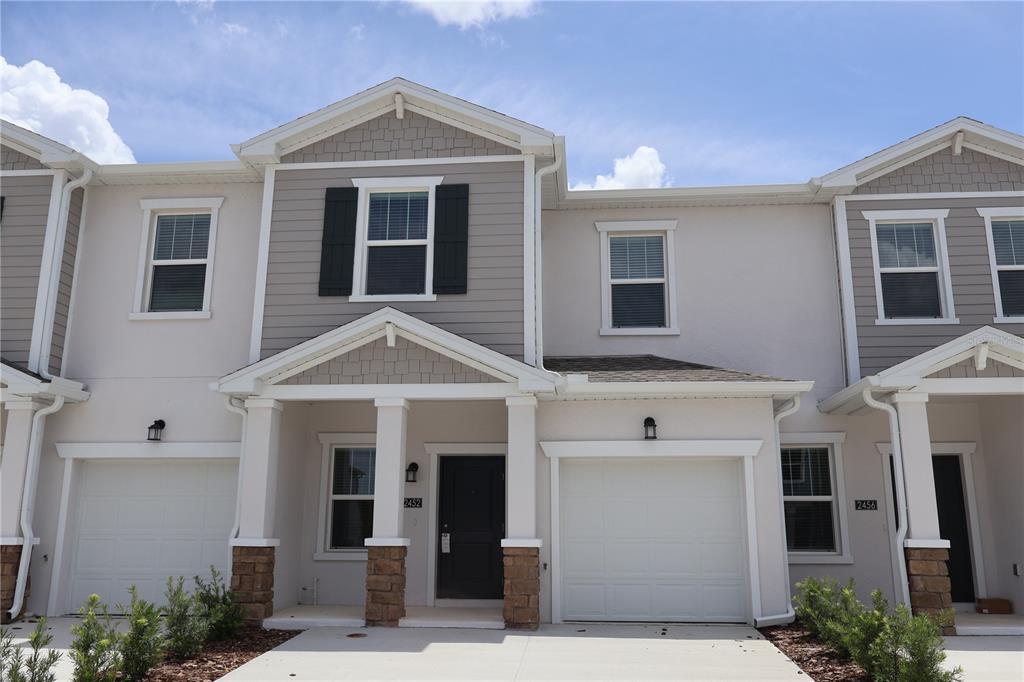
{"x": 67, "y": 273}
{"x": 11, "y": 159}
{"x": 389, "y": 137}
{"x": 943, "y": 172}
{"x": 490, "y": 313}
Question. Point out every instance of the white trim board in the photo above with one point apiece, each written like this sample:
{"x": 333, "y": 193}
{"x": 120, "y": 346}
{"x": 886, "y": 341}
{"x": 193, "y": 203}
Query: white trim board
{"x": 151, "y": 450}
{"x": 651, "y": 448}
{"x": 385, "y": 163}
{"x": 262, "y": 259}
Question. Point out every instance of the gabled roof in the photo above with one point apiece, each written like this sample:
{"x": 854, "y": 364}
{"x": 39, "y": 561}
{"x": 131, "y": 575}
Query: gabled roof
{"x": 983, "y": 344}
{"x": 960, "y": 131}
{"x": 645, "y": 368}
{"x": 386, "y": 97}
{"x": 21, "y": 382}
{"x": 48, "y": 152}
{"x": 384, "y": 323}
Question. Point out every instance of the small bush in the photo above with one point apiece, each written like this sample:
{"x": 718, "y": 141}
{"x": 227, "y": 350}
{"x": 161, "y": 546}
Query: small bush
{"x": 94, "y": 648}
{"x": 909, "y": 649}
{"x": 864, "y": 628}
{"x": 828, "y": 611}
{"x": 220, "y": 608}
{"x": 143, "y": 644}
{"x": 185, "y": 627}
{"x": 38, "y": 667}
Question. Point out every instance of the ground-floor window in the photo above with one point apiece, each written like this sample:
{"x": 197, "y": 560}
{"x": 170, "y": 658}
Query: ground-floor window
{"x": 809, "y": 498}
{"x": 350, "y": 504}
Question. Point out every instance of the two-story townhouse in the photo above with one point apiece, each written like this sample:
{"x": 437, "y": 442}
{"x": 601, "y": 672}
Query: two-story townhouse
{"x": 386, "y": 363}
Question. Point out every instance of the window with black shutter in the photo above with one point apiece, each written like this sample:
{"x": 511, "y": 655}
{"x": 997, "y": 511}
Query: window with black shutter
{"x": 1008, "y": 249}
{"x": 396, "y": 243}
{"x": 637, "y": 271}
{"x": 908, "y": 269}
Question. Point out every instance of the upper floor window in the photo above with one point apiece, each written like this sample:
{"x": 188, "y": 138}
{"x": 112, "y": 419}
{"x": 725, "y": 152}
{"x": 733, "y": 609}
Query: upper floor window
{"x": 176, "y": 264}
{"x": 813, "y": 497}
{"x": 912, "y": 283}
{"x": 1005, "y": 232}
{"x": 637, "y": 268}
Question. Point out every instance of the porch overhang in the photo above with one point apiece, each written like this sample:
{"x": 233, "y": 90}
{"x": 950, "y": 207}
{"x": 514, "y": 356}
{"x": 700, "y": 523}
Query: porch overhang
{"x": 919, "y": 374}
{"x": 19, "y": 383}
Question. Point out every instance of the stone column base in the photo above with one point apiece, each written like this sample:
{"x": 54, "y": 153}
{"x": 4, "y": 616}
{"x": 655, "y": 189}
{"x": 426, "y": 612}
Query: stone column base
{"x": 522, "y": 587}
{"x": 10, "y": 557}
{"x": 252, "y": 580}
{"x": 385, "y": 585}
{"x": 930, "y": 588}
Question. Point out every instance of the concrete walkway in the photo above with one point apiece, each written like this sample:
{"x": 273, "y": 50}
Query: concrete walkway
{"x": 555, "y": 652}
{"x": 987, "y": 658}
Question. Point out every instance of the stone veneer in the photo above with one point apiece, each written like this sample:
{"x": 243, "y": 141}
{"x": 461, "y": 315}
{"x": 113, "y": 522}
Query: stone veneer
{"x": 930, "y": 588}
{"x": 385, "y": 585}
{"x": 521, "y": 567}
{"x": 10, "y": 557}
{"x": 252, "y": 580}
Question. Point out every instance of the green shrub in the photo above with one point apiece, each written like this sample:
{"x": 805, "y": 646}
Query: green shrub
{"x": 142, "y": 646}
{"x": 828, "y": 611}
{"x": 94, "y": 648}
{"x": 220, "y": 608}
{"x": 39, "y": 666}
{"x": 864, "y": 629}
{"x": 185, "y": 627}
{"x": 909, "y": 649}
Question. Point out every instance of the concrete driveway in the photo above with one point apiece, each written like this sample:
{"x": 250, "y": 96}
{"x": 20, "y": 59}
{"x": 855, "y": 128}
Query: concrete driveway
{"x": 555, "y": 652}
{"x": 987, "y": 658}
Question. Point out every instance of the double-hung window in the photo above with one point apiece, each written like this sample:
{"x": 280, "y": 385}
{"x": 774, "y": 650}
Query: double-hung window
{"x": 813, "y": 496}
{"x": 394, "y": 238}
{"x": 637, "y": 268}
{"x": 176, "y": 259}
{"x": 349, "y": 512}
{"x": 911, "y": 271}
{"x": 1005, "y": 228}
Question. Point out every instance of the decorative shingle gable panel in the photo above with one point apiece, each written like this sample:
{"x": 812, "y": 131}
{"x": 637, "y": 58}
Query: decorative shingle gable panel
{"x": 971, "y": 171}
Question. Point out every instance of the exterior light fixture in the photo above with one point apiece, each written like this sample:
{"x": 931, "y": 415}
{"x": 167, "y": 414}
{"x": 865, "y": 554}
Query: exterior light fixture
{"x": 156, "y": 430}
{"x": 650, "y": 429}
{"x": 410, "y": 472}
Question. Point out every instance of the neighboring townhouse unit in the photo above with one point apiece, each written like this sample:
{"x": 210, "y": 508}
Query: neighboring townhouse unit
{"x": 386, "y": 363}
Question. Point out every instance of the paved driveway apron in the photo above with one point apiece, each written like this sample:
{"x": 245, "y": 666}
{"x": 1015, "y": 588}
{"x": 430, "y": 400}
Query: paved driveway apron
{"x": 555, "y": 652}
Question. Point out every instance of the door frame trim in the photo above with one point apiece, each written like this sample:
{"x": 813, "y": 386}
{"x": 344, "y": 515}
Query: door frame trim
{"x": 965, "y": 450}
{"x": 435, "y": 451}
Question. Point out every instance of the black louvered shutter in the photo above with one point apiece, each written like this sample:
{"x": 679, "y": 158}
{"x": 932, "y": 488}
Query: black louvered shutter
{"x": 338, "y": 248}
{"x": 451, "y": 239}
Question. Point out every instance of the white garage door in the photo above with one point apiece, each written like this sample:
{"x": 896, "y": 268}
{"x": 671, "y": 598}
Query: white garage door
{"x": 653, "y": 540}
{"x": 139, "y": 522}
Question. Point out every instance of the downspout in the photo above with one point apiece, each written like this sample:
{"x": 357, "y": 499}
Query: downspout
{"x": 788, "y": 408}
{"x": 54, "y": 285}
{"x": 28, "y": 501}
{"x": 229, "y": 404}
{"x": 538, "y": 308}
{"x": 900, "y": 587}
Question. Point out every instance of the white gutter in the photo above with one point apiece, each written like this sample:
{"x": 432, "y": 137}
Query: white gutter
{"x": 230, "y": 405}
{"x": 787, "y": 409}
{"x": 900, "y": 587}
{"x": 538, "y": 254}
{"x": 56, "y": 255}
{"x": 28, "y": 501}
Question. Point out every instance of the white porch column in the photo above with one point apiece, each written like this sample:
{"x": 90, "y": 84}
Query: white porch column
{"x": 915, "y": 440}
{"x": 521, "y": 470}
{"x": 389, "y": 472}
{"x": 14, "y": 464}
{"x": 259, "y": 470}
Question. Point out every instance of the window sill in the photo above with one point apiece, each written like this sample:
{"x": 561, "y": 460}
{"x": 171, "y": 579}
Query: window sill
{"x": 639, "y": 331}
{"x": 897, "y": 322}
{"x": 823, "y": 558}
{"x": 1008, "y": 320}
{"x": 175, "y": 315}
{"x": 345, "y": 555}
{"x": 388, "y": 298}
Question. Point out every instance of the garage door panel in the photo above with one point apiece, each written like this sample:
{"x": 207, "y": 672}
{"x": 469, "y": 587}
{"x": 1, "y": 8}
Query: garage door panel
{"x": 137, "y": 554}
{"x": 652, "y": 539}
{"x": 96, "y": 513}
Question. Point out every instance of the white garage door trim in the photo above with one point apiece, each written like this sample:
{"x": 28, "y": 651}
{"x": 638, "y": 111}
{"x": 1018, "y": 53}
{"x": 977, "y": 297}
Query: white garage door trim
{"x": 746, "y": 449}
{"x": 74, "y": 454}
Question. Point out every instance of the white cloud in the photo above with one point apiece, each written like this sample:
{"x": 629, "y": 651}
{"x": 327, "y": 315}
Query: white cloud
{"x": 34, "y": 97}
{"x": 474, "y": 13}
{"x": 230, "y": 29}
{"x": 642, "y": 168}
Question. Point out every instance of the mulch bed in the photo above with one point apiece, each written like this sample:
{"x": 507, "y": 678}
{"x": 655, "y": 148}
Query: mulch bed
{"x": 219, "y": 658}
{"x": 820, "y": 662}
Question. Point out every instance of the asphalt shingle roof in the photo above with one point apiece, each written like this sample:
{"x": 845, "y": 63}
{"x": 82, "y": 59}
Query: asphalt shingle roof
{"x": 645, "y": 368}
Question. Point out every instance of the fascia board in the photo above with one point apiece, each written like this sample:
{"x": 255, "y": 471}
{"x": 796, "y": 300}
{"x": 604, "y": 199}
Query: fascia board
{"x": 749, "y": 389}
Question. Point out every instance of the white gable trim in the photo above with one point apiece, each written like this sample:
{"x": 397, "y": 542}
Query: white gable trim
{"x": 48, "y": 152}
{"x": 259, "y": 376}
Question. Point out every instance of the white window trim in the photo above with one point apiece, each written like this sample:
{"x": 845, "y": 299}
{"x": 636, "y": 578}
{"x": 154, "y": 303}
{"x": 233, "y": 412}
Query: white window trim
{"x": 367, "y": 186}
{"x": 834, "y": 442}
{"x": 330, "y": 441}
{"x": 1011, "y": 213}
{"x": 638, "y": 228}
{"x": 151, "y": 208}
{"x": 937, "y": 217}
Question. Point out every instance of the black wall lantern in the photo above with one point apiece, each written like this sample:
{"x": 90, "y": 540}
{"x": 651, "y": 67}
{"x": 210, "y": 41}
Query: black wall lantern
{"x": 410, "y": 472}
{"x": 650, "y": 429}
{"x": 156, "y": 430}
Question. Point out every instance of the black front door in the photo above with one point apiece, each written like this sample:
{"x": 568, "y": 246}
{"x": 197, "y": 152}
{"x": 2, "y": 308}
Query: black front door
{"x": 471, "y": 523}
{"x": 949, "y": 495}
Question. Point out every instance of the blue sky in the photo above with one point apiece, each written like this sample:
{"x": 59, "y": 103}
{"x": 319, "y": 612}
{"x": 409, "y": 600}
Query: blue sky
{"x": 725, "y": 92}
